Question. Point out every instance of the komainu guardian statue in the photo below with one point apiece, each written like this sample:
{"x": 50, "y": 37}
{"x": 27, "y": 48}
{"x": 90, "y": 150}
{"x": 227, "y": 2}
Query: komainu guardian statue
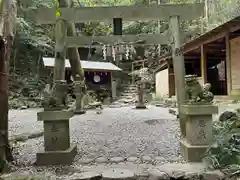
{"x": 195, "y": 93}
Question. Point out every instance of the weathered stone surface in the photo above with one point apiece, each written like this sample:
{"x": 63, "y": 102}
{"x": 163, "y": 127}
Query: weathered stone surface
{"x": 57, "y": 157}
{"x": 113, "y": 174}
{"x": 192, "y": 153}
{"x": 56, "y": 135}
{"x": 177, "y": 174}
{"x": 159, "y": 159}
{"x": 116, "y": 159}
{"x": 23, "y": 107}
{"x": 54, "y": 115}
{"x": 86, "y": 176}
{"x": 213, "y": 175}
{"x": 132, "y": 159}
{"x": 146, "y": 159}
{"x": 86, "y": 161}
{"x": 115, "y": 106}
{"x": 35, "y": 135}
{"x": 27, "y": 175}
{"x": 100, "y": 160}
{"x": 192, "y": 176}
{"x": 171, "y": 169}
{"x": 155, "y": 174}
{"x": 199, "y": 130}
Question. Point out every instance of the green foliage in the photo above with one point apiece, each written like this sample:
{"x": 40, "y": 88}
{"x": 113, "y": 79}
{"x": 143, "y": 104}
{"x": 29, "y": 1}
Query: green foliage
{"x": 225, "y": 152}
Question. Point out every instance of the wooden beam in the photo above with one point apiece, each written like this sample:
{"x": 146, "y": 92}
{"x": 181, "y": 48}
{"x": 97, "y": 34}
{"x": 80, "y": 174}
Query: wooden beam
{"x": 228, "y": 64}
{"x": 203, "y": 64}
{"x": 198, "y": 57}
{"x": 209, "y": 37}
{"x": 127, "y": 13}
{"x": 122, "y": 39}
{"x": 140, "y": 61}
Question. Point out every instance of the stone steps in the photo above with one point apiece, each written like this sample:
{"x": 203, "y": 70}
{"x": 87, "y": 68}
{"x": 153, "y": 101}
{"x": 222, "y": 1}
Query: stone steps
{"x": 129, "y": 94}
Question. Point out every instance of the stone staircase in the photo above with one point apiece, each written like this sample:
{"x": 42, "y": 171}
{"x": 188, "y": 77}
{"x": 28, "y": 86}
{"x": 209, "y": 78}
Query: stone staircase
{"x": 128, "y": 96}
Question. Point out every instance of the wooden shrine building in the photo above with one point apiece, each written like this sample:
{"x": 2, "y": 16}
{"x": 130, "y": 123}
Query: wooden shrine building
{"x": 98, "y": 75}
{"x": 213, "y": 56}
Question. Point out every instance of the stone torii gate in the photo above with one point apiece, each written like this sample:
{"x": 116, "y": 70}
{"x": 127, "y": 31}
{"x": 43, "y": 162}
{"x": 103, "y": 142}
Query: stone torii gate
{"x": 167, "y": 12}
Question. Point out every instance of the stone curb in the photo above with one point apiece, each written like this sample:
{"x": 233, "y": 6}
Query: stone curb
{"x": 151, "y": 174}
{"x": 132, "y": 159}
{"x": 25, "y": 136}
{"x": 162, "y": 172}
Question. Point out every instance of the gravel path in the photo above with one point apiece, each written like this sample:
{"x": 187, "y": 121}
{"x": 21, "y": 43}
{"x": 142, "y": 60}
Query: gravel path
{"x": 116, "y": 132}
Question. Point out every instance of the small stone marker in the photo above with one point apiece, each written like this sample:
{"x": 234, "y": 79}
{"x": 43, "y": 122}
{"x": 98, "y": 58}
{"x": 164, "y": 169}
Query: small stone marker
{"x": 140, "y": 104}
{"x": 113, "y": 174}
{"x": 58, "y": 150}
{"x": 79, "y": 85}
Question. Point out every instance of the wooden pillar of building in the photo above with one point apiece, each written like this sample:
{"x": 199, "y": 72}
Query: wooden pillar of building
{"x": 179, "y": 69}
{"x": 203, "y": 64}
{"x": 228, "y": 64}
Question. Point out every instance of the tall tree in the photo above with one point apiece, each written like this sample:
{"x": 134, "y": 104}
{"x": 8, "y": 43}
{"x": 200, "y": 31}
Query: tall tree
{"x": 73, "y": 55}
{"x": 8, "y": 16}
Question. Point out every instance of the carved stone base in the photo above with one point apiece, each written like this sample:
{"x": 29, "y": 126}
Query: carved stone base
{"x": 78, "y": 112}
{"x": 57, "y": 157}
{"x": 198, "y": 123}
{"x": 140, "y": 106}
{"x": 192, "y": 153}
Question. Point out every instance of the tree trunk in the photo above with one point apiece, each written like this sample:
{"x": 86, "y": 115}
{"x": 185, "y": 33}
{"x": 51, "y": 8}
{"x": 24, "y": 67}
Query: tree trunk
{"x": 73, "y": 55}
{"x": 7, "y": 31}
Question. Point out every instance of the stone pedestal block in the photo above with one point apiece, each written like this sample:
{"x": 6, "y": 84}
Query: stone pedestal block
{"x": 190, "y": 152}
{"x": 57, "y": 148}
{"x": 198, "y": 130}
{"x": 65, "y": 157}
